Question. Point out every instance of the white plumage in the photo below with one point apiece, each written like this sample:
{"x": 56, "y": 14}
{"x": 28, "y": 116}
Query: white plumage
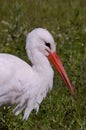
{"x": 22, "y": 84}
{"x": 25, "y": 85}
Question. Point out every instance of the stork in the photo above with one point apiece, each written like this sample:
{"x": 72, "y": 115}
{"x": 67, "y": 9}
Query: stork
{"x": 25, "y": 85}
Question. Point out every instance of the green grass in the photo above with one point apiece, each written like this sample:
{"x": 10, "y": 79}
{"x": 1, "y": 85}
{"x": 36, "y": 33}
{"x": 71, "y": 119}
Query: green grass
{"x": 66, "y": 20}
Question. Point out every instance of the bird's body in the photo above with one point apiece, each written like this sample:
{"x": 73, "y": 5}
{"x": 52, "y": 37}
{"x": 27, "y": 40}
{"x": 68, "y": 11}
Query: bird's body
{"x": 25, "y": 85}
{"x": 22, "y": 84}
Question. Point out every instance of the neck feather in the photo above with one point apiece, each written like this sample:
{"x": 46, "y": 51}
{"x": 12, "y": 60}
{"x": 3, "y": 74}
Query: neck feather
{"x": 39, "y": 61}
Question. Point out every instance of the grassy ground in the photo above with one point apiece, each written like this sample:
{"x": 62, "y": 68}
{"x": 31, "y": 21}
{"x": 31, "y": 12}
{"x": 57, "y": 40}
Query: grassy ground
{"x": 66, "y": 20}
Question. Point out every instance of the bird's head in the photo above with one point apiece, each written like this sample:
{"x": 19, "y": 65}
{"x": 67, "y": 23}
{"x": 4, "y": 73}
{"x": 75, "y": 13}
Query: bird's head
{"x": 41, "y": 40}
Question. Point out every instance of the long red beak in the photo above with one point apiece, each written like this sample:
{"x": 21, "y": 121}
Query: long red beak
{"x": 55, "y": 60}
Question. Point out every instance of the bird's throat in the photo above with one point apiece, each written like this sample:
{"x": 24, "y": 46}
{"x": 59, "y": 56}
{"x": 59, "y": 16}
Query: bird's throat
{"x": 41, "y": 64}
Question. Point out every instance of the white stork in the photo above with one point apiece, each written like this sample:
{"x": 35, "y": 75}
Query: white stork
{"x": 25, "y": 85}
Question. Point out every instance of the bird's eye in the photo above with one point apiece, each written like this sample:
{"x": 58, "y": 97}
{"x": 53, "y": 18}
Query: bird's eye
{"x": 48, "y": 45}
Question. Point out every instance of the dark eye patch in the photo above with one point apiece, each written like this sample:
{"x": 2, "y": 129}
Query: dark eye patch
{"x": 48, "y": 45}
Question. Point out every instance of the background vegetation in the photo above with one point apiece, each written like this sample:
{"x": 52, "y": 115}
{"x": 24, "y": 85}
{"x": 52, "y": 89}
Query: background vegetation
{"x": 66, "y": 20}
